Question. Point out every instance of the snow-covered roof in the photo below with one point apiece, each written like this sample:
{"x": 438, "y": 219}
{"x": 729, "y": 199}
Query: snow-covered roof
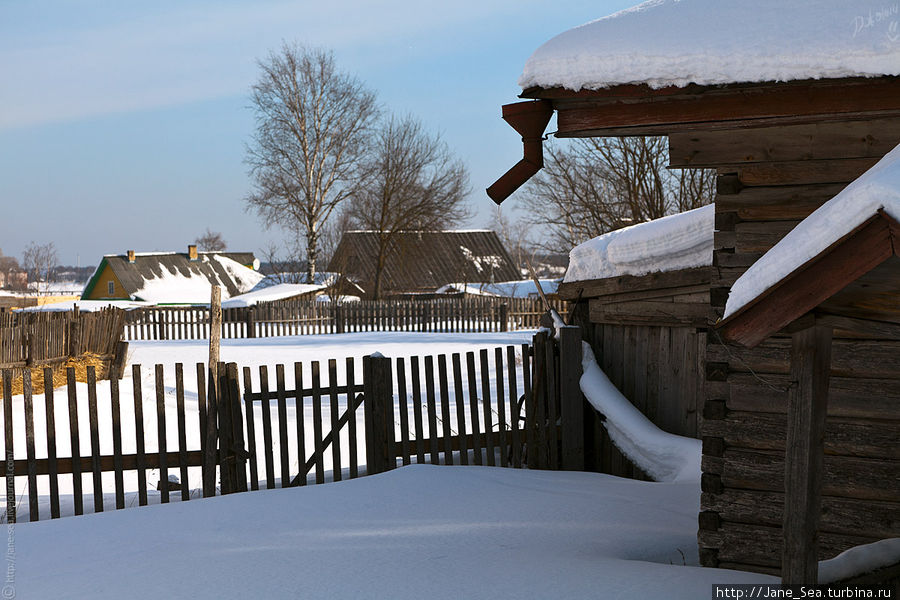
{"x": 170, "y": 285}
{"x": 86, "y": 305}
{"x": 675, "y": 242}
{"x": 271, "y": 293}
{"x": 677, "y": 42}
{"x": 523, "y": 288}
{"x": 876, "y": 189}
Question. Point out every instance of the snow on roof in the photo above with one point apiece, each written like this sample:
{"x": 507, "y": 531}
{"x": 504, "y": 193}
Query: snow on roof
{"x": 878, "y": 188}
{"x": 524, "y": 288}
{"x": 172, "y": 286}
{"x": 677, "y": 42}
{"x": 681, "y": 241}
{"x": 278, "y": 291}
{"x": 86, "y": 305}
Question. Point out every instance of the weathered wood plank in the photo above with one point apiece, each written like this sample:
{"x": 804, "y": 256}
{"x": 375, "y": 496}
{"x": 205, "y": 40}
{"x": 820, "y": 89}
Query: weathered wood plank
{"x": 52, "y": 467}
{"x": 478, "y": 440}
{"x": 486, "y": 409}
{"x": 845, "y": 476}
{"x": 117, "y": 442}
{"x": 777, "y": 203}
{"x": 417, "y": 409}
{"x": 94, "y": 421}
{"x": 266, "y": 407}
{"x": 870, "y": 518}
{"x": 630, "y": 283}
{"x": 251, "y": 429}
{"x": 335, "y": 420}
{"x": 161, "y": 436}
{"x": 432, "y": 410}
{"x": 33, "y": 512}
{"x": 445, "y": 408}
{"x": 182, "y": 431}
{"x": 849, "y": 139}
{"x": 649, "y": 312}
{"x": 460, "y": 401}
{"x": 140, "y": 457}
{"x": 75, "y": 440}
{"x": 282, "y": 426}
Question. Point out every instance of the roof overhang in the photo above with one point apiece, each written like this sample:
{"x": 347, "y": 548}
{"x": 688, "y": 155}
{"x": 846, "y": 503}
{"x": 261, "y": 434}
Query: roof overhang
{"x": 816, "y": 281}
{"x": 639, "y": 110}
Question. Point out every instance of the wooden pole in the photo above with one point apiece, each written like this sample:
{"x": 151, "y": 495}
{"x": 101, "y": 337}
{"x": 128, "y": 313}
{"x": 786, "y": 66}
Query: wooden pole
{"x": 215, "y": 329}
{"x": 808, "y": 401}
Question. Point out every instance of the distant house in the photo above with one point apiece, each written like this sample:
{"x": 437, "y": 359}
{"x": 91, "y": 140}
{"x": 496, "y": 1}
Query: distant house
{"x": 172, "y": 277}
{"x": 423, "y": 261}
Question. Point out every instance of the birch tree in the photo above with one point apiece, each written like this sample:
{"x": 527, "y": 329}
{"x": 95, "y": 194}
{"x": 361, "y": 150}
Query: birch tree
{"x": 311, "y": 126}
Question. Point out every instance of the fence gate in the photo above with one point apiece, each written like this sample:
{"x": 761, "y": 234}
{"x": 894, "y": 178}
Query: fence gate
{"x": 556, "y": 412}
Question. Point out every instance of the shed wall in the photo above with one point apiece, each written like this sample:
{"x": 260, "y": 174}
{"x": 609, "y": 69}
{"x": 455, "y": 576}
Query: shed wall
{"x": 770, "y": 179}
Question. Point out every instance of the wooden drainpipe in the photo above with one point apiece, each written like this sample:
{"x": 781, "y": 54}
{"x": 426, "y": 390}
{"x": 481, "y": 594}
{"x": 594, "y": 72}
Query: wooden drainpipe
{"x": 529, "y": 119}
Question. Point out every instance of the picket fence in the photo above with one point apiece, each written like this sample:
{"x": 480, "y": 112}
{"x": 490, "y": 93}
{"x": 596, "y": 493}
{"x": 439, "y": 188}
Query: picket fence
{"x": 309, "y": 317}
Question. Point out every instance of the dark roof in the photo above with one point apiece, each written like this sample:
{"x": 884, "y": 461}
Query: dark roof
{"x": 425, "y": 260}
{"x": 149, "y": 266}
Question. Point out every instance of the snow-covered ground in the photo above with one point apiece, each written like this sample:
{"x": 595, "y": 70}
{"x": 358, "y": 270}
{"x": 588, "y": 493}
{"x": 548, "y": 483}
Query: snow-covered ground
{"x": 419, "y": 531}
{"x": 246, "y": 353}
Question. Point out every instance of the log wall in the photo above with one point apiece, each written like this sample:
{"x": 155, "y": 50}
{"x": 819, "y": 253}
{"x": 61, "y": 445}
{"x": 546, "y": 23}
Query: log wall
{"x": 768, "y": 180}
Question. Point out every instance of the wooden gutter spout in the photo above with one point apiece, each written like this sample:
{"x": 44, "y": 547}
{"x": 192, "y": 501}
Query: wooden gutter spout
{"x": 529, "y": 119}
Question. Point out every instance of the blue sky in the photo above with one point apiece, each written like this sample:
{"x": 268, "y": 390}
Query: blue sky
{"x": 123, "y": 124}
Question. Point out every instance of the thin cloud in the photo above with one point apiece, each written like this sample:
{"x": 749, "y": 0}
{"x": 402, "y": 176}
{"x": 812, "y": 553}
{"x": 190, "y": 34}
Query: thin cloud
{"x": 198, "y": 52}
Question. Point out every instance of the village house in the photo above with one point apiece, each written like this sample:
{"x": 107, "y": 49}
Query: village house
{"x": 172, "y": 277}
{"x": 420, "y": 262}
{"x": 795, "y": 393}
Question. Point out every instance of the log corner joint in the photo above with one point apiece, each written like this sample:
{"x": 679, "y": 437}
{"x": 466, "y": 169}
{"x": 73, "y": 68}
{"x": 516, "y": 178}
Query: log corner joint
{"x": 529, "y": 119}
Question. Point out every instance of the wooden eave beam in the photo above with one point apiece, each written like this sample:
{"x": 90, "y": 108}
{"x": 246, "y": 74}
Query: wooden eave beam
{"x": 639, "y": 110}
{"x": 833, "y": 269}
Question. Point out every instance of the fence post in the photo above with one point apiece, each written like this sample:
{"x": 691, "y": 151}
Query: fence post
{"x": 339, "y": 318}
{"x": 250, "y": 322}
{"x": 238, "y": 452}
{"x": 379, "y": 414}
{"x": 211, "y": 452}
{"x": 504, "y": 317}
{"x": 572, "y": 409}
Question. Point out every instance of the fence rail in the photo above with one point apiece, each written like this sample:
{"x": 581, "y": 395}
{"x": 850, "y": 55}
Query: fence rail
{"x": 452, "y": 315}
{"x": 510, "y": 406}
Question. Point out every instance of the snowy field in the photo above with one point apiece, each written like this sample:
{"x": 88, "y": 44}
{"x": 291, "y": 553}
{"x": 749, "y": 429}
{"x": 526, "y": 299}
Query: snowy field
{"x": 246, "y": 353}
{"x": 419, "y": 531}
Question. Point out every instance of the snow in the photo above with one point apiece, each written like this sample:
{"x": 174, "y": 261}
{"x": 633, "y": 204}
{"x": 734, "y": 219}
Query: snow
{"x": 524, "y": 288}
{"x": 680, "y": 241}
{"x": 87, "y": 305}
{"x": 244, "y": 278}
{"x": 878, "y": 188}
{"x": 677, "y": 42}
{"x": 174, "y": 287}
{"x": 440, "y": 532}
{"x": 278, "y": 291}
{"x": 663, "y": 456}
{"x": 860, "y": 560}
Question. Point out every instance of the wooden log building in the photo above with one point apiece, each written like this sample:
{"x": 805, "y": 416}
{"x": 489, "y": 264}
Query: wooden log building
{"x": 781, "y": 149}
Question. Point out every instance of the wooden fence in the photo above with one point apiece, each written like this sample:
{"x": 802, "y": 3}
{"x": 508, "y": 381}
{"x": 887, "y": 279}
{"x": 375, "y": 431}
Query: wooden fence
{"x": 494, "y": 408}
{"x": 44, "y": 338}
{"x": 450, "y": 315}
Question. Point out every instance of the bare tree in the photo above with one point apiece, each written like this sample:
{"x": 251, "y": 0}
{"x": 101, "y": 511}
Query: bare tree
{"x": 515, "y": 237}
{"x": 600, "y": 184}
{"x": 39, "y": 261}
{"x": 210, "y": 241}
{"x": 412, "y": 182}
{"x": 311, "y": 126}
